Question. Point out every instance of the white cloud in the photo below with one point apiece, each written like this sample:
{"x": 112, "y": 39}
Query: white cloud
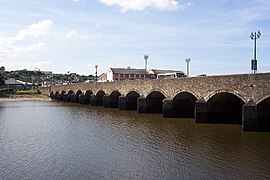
{"x": 35, "y": 30}
{"x": 35, "y": 47}
{"x": 139, "y": 5}
{"x": 9, "y": 47}
{"x": 75, "y": 35}
{"x": 189, "y": 4}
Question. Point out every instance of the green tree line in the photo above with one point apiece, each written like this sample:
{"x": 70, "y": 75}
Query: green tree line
{"x": 37, "y": 76}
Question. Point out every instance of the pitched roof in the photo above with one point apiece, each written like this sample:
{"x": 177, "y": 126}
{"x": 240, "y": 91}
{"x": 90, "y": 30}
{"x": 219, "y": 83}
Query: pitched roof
{"x": 12, "y": 81}
{"x": 128, "y": 71}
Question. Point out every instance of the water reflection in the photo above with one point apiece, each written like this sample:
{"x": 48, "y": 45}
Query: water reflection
{"x": 49, "y": 140}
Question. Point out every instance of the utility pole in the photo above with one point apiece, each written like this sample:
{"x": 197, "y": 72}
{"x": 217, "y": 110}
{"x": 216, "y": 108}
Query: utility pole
{"x": 254, "y": 36}
{"x": 187, "y": 61}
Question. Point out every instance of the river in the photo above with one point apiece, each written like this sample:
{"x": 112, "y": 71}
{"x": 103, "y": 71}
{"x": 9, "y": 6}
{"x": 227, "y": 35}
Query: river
{"x": 56, "y": 140}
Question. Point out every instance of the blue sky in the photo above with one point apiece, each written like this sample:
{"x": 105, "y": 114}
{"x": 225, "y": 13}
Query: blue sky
{"x": 75, "y": 35}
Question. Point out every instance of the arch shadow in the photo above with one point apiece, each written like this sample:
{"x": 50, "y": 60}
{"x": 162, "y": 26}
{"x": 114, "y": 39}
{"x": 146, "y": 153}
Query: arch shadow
{"x": 184, "y": 105}
{"x": 263, "y": 115}
{"x": 131, "y": 100}
{"x": 226, "y": 108}
{"x": 154, "y": 102}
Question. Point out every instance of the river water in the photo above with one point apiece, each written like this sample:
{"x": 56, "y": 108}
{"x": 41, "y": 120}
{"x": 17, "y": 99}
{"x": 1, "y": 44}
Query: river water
{"x": 55, "y": 140}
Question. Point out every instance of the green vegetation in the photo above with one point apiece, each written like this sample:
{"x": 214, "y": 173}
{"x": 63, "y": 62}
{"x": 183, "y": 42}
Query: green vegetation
{"x": 38, "y": 76}
{"x": 29, "y": 92}
{"x": 8, "y": 93}
{"x": 2, "y": 75}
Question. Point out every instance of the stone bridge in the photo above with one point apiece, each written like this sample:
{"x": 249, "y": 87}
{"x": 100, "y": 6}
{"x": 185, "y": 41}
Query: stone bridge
{"x": 235, "y": 99}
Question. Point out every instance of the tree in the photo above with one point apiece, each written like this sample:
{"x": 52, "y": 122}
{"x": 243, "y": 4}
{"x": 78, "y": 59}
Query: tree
{"x": 2, "y": 75}
{"x": 2, "y": 68}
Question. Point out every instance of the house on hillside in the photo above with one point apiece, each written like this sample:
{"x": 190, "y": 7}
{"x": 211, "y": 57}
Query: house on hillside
{"x": 15, "y": 84}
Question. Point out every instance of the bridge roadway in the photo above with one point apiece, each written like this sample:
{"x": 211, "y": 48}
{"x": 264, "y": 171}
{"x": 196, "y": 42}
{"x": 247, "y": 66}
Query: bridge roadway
{"x": 236, "y": 99}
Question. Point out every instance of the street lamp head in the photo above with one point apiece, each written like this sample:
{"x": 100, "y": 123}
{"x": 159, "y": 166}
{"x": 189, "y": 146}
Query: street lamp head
{"x": 146, "y": 57}
{"x": 96, "y": 66}
{"x": 259, "y": 34}
{"x": 251, "y": 35}
{"x": 188, "y": 60}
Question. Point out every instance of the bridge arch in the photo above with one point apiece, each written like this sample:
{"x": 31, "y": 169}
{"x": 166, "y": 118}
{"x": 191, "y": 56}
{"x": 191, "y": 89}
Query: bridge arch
{"x": 58, "y": 96}
{"x": 88, "y": 93}
{"x": 263, "y": 115}
{"x": 185, "y": 91}
{"x": 99, "y": 98}
{"x": 52, "y": 95}
{"x": 66, "y": 95}
{"x": 209, "y": 96}
{"x": 70, "y": 92}
{"x": 262, "y": 99}
{"x": 75, "y": 96}
{"x": 113, "y": 99}
{"x": 84, "y": 98}
{"x": 154, "y": 102}
{"x": 134, "y": 90}
{"x": 184, "y": 105}
{"x": 131, "y": 100}
{"x": 225, "y": 107}
{"x": 78, "y": 92}
{"x": 156, "y": 90}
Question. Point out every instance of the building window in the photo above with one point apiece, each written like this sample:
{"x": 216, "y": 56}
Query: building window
{"x": 137, "y": 76}
{"x": 116, "y": 75}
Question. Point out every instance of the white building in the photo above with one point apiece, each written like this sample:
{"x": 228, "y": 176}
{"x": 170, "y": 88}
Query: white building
{"x": 126, "y": 74}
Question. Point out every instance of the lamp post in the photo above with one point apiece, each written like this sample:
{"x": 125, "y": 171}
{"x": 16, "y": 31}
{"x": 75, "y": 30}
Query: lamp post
{"x": 96, "y": 66}
{"x": 146, "y": 58}
{"x": 68, "y": 78}
{"x": 187, "y": 61}
{"x": 254, "y": 36}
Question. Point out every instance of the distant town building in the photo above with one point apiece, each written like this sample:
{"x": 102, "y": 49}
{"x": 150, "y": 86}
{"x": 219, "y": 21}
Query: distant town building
{"x": 102, "y": 78}
{"x": 73, "y": 78}
{"x": 126, "y": 74}
{"x": 16, "y": 84}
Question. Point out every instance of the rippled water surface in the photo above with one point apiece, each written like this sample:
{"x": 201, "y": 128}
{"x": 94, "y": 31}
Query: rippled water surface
{"x": 52, "y": 140}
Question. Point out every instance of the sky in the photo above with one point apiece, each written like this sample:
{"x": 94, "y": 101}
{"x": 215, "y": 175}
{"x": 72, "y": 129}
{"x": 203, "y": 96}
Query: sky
{"x": 76, "y": 35}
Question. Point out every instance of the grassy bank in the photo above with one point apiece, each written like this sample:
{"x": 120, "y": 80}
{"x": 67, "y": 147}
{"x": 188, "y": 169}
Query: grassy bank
{"x": 25, "y": 95}
{"x": 29, "y": 92}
